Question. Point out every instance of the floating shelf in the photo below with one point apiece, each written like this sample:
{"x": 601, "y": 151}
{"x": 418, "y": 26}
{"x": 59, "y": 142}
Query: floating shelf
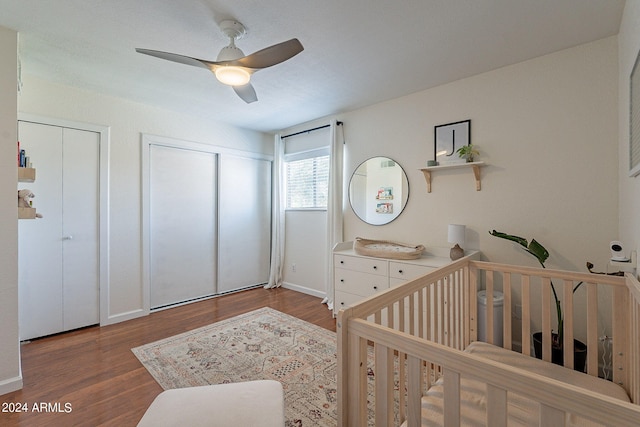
{"x": 26, "y": 213}
{"x": 473, "y": 165}
{"x": 26, "y": 174}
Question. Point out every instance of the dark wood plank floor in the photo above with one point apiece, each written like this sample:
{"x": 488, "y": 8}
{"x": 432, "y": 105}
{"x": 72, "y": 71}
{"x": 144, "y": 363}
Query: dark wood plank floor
{"x": 94, "y": 371}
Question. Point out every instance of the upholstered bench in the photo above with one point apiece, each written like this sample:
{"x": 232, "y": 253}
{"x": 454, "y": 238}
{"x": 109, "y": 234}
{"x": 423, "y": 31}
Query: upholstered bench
{"x": 247, "y": 404}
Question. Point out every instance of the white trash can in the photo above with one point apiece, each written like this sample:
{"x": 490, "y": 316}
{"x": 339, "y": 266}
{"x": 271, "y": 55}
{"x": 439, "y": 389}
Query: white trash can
{"x": 498, "y": 306}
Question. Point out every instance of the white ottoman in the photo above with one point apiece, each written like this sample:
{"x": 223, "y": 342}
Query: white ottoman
{"x": 247, "y": 404}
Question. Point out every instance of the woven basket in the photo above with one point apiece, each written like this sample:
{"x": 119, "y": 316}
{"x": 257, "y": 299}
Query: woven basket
{"x": 386, "y": 249}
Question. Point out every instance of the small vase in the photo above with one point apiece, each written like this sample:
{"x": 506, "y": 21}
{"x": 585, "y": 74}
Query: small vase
{"x": 456, "y": 252}
{"x": 470, "y": 158}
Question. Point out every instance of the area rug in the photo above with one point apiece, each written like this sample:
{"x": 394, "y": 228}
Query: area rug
{"x": 262, "y": 344}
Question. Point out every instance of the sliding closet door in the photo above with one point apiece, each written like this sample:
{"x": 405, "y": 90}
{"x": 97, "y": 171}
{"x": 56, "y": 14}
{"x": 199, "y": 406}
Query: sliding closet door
{"x": 245, "y": 222}
{"x": 182, "y": 217}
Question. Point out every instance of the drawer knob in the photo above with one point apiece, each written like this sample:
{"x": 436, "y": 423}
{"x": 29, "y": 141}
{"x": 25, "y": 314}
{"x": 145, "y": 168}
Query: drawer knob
{"x": 342, "y": 280}
{"x": 375, "y": 287}
{"x": 341, "y": 303}
{"x": 375, "y": 267}
{"x": 400, "y": 271}
{"x": 341, "y": 262}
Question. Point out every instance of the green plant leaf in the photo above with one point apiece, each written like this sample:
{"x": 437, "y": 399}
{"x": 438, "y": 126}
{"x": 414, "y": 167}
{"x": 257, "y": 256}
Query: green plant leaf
{"x": 538, "y": 251}
{"x": 511, "y": 237}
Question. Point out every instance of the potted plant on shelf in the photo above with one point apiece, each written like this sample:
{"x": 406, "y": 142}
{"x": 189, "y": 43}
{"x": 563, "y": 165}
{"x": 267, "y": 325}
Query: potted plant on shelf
{"x": 557, "y": 356}
{"x": 467, "y": 152}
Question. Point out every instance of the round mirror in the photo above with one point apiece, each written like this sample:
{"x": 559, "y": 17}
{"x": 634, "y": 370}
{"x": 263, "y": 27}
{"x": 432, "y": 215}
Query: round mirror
{"x": 378, "y": 190}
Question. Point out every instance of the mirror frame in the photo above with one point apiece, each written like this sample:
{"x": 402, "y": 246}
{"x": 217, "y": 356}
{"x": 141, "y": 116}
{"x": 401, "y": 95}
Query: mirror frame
{"x": 405, "y": 199}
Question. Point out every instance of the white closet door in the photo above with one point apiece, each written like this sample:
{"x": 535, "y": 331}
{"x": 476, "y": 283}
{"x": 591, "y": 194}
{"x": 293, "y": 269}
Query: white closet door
{"x": 58, "y": 265}
{"x": 245, "y": 222}
{"x": 182, "y": 216}
{"x": 80, "y": 232}
{"x": 39, "y": 240}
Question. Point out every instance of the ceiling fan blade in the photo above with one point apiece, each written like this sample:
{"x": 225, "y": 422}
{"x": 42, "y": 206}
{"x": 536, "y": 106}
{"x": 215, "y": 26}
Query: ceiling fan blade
{"x": 246, "y": 92}
{"x": 271, "y": 55}
{"x": 187, "y": 60}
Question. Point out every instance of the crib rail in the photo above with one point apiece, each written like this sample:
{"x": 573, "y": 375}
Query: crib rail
{"x": 426, "y": 320}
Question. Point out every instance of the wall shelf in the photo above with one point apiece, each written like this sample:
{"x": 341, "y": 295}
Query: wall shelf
{"x": 26, "y": 213}
{"x": 26, "y": 174}
{"x": 473, "y": 165}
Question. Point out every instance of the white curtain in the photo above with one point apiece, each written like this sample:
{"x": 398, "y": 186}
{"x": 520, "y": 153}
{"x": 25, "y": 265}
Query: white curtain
{"x": 334, "y": 204}
{"x": 277, "y": 216}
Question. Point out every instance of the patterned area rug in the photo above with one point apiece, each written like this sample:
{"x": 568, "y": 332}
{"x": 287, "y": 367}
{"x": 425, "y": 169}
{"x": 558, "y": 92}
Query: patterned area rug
{"x": 262, "y": 344}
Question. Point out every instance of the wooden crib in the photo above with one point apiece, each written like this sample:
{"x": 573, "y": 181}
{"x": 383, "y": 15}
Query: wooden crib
{"x": 405, "y": 356}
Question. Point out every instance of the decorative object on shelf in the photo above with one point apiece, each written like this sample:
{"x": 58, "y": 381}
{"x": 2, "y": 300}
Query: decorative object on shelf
{"x": 431, "y": 163}
{"x": 449, "y": 138}
{"x": 456, "y": 235}
{"x": 387, "y": 249}
{"x": 557, "y": 339}
{"x": 468, "y": 152}
{"x": 24, "y": 201}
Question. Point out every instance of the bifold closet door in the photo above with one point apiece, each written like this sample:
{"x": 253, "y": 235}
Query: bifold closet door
{"x": 182, "y": 219}
{"x": 245, "y": 222}
{"x": 58, "y": 255}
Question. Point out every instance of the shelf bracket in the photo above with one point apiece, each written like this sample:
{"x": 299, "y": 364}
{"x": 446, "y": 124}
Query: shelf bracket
{"x": 476, "y": 173}
{"x": 427, "y": 177}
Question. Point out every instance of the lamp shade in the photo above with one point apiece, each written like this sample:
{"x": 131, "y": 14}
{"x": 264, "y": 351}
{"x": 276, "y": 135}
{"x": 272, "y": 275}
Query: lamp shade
{"x": 456, "y": 234}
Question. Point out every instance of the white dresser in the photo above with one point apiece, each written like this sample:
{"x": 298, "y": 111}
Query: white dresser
{"x": 358, "y": 276}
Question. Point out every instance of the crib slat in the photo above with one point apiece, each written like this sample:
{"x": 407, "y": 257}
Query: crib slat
{"x": 496, "y": 406}
{"x": 414, "y": 391}
{"x": 451, "y": 397}
{"x": 592, "y": 328}
{"x": 506, "y": 312}
{"x": 471, "y": 308}
{"x": 358, "y": 381}
{"x": 620, "y": 343}
{"x": 546, "y": 319}
{"x": 489, "y": 312}
{"x": 384, "y": 380}
{"x": 526, "y": 315}
{"x": 567, "y": 307}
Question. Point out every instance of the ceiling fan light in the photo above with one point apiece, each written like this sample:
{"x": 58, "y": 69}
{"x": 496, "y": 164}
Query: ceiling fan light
{"x": 232, "y": 76}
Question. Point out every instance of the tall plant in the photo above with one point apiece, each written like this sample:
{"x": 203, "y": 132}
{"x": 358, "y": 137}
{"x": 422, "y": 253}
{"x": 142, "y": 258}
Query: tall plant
{"x": 541, "y": 254}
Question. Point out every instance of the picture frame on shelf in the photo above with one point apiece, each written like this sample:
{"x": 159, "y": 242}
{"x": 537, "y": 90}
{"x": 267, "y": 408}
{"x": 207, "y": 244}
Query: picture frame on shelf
{"x": 448, "y": 138}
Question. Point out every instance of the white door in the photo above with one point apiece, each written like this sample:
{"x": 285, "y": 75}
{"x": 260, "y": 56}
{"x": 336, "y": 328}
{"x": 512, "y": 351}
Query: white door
{"x": 58, "y": 267}
{"x": 182, "y": 218}
{"x": 245, "y": 222}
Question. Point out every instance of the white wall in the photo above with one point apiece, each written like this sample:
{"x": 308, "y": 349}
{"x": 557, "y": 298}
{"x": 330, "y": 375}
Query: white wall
{"x": 10, "y": 375}
{"x": 547, "y": 129}
{"x": 127, "y": 121}
{"x": 629, "y": 188}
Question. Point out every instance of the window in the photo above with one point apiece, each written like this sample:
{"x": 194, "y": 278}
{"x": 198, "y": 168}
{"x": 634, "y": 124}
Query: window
{"x": 307, "y": 180}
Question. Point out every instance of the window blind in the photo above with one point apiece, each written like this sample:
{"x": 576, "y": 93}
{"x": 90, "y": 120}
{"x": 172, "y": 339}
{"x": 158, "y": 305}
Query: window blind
{"x": 307, "y": 182}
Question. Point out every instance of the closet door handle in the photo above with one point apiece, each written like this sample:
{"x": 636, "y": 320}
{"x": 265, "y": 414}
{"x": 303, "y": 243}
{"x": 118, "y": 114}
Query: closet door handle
{"x": 67, "y": 237}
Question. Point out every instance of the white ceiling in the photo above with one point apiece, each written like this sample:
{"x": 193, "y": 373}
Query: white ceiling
{"x": 357, "y": 52}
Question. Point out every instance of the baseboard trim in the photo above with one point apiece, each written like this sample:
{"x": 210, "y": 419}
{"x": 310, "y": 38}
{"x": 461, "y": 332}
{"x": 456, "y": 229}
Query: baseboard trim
{"x": 304, "y": 290}
{"x": 10, "y": 385}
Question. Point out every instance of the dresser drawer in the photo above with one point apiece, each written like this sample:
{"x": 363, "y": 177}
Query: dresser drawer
{"x": 404, "y": 271}
{"x": 357, "y": 283}
{"x": 365, "y": 265}
{"x": 344, "y": 300}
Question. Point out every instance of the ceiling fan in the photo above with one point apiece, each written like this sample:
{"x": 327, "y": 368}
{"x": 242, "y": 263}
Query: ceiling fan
{"x": 232, "y": 67}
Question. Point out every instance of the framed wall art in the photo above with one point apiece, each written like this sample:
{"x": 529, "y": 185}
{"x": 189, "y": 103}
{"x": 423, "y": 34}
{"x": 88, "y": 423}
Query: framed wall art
{"x": 448, "y": 139}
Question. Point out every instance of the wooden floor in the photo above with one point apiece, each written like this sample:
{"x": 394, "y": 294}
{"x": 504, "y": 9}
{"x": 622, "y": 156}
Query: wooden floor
{"x": 93, "y": 372}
